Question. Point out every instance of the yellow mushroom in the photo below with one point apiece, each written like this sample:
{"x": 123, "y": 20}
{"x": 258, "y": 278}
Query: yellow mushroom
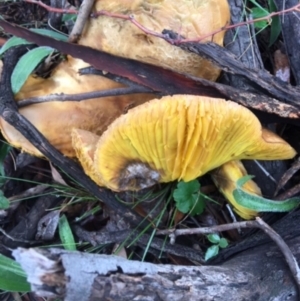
{"x": 177, "y": 138}
{"x": 56, "y": 119}
{"x": 190, "y": 18}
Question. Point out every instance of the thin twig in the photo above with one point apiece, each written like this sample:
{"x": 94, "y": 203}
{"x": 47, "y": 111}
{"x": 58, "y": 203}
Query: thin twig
{"x": 103, "y": 237}
{"x": 267, "y": 174}
{"x": 208, "y": 230}
{"x": 16, "y": 239}
{"x": 53, "y": 9}
{"x": 284, "y": 248}
{"x": 133, "y": 88}
{"x": 84, "y": 96}
{"x": 83, "y": 15}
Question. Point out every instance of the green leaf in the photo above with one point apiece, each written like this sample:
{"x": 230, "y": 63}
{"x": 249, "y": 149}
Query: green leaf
{"x": 65, "y": 234}
{"x": 211, "y": 252}
{"x": 214, "y": 238}
{"x": 275, "y": 25}
{"x": 12, "y": 276}
{"x": 187, "y": 197}
{"x": 256, "y": 4}
{"x": 14, "y": 41}
{"x": 259, "y": 12}
{"x": 4, "y": 202}
{"x": 50, "y": 33}
{"x": 27, "y": 63}
{"x": 260, "y": 204}
{"x": 223, "y": 243}
{"x": 69, "y": 17}
{"x": 275, "y": 30}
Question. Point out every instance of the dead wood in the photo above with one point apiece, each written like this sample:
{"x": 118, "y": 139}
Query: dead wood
{"x": 259, "y": 274}
{"x": 253, "y": 273}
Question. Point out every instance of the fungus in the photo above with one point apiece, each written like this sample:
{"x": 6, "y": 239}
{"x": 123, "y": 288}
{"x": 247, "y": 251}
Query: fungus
{"x": 191, "y": 19}
{"x": 56, "y": 119}
{"x": 178, "y": 137}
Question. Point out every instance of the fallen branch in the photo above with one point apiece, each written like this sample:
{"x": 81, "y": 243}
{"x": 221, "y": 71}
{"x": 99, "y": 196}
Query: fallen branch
{"x": 81, "y": 277}
{"x": 82, "y": 17}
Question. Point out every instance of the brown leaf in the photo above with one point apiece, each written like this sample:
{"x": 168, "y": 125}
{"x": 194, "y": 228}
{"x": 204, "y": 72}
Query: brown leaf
{"x": 281, "y": 66}
{"x": 56, "y": 176}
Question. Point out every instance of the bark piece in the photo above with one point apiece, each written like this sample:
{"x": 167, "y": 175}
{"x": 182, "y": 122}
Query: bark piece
{"x": 290, "y": 27}
{"x": 241, "y": 42}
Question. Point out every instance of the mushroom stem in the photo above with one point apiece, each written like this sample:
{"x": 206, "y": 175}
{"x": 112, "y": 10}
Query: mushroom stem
{"x": 225, "y": 178}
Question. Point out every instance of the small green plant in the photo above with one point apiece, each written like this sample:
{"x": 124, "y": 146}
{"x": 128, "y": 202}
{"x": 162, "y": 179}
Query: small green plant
{"x": 188, "y": 197}
{"x": 218, "y": 242}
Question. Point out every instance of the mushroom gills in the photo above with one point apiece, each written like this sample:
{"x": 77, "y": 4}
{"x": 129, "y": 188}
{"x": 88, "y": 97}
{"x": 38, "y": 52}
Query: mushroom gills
{"x": 180, "y": 138}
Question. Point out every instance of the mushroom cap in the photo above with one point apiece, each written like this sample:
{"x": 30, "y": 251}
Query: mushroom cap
{"x": 56, "y": 119}
{"x": 226, "y": 176}
{"x": 190, "y": 18}
{"x": 181, "y": 137}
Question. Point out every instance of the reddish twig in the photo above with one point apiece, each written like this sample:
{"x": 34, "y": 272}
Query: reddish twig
{"x": 53, "y": 9}
{"x": 178, "y": 41}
